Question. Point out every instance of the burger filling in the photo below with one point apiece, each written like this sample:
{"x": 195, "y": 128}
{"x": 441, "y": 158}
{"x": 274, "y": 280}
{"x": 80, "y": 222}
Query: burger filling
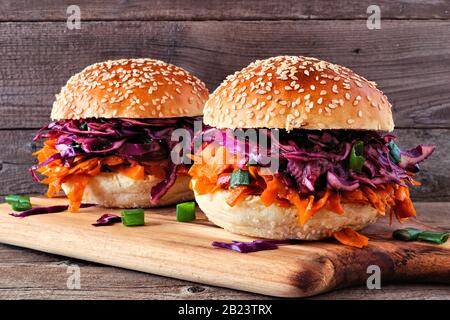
{"x": 74, "y": 151}
{"x": 317, "y": 169}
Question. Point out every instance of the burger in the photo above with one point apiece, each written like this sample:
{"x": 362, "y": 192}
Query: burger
{"x": 109, "y": 142}
{"x": 338, "y": 171}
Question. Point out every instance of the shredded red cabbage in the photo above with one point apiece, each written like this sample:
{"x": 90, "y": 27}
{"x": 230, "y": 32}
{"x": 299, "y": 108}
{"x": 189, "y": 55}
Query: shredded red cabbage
{"x": 253, "y": 246}
{"x": 107, "y": 219}
{"x": 49, "y": 209}
{"x": 313, "y": 161}
{"x": 132, "y": 139}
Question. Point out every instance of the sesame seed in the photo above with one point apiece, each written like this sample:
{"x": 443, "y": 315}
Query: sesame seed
{"x": 360, "y": 113}
{"x": 334, "y": 89}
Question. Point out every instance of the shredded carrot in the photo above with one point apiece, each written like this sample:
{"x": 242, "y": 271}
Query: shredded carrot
{"x": 75, "y": 194}
{"x": 374, "y": 200}
{"x": 83, "y": 168}
{"x": 274, "y": 192}
{"x": 237, "y": 194}
{"x": 135, "y": 171}
{"x": 403, "y": 208}
{"x": 355, "y": 196}
{"x": 334, "y": 203}
{"x": 352, "y": 238}
{"x": 303, "y": 205}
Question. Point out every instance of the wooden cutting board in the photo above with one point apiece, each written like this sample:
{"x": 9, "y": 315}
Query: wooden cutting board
{"x": 183, "y": 250}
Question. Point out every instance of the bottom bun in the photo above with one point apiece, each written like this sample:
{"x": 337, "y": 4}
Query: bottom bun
{"x": 251, "y": 218}
{"x": 114, "y": 190}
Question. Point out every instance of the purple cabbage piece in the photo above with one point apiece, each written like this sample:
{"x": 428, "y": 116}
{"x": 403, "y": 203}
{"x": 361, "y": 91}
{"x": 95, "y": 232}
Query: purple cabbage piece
{"x": 132, "y": 139}
{"x": 161, "y": 187}
{"x": 313, "y": 161}
{"x": 253, "y": 246}
{"x": 33, "y": 169}
{"x": 49, "y": 209}
{"x": 337, "y": 183}
{"x": 107, "y": 219}
{"x": 410, "y": 158}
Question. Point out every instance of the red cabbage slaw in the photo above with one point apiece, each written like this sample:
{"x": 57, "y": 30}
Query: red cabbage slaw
{"x": 252, "y": 246}
{"x": 107, "y": 219}
{"x": 46, "y": 209}
{"x": 312, "y": 161}
{"x": 131, "y": 139}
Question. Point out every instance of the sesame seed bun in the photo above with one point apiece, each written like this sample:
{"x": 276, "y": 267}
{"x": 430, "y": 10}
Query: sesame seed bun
{"x": 252, "y": 218}
{"x": 114, "y": 190}
{"x": 289, "y": 92}
{"x": 130, "y": 88}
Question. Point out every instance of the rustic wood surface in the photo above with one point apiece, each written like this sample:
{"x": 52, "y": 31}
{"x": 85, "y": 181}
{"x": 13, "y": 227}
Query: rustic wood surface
{"x": 410, "y": 60}
{"x": 408, "y": 57}
{"x": 28, "y": 274}
{"x": 55, "y": 10}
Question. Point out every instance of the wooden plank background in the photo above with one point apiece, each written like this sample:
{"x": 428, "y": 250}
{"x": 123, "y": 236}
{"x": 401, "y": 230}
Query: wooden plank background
{"x": 409, "y": 58}
{"x": 54, "y": 10}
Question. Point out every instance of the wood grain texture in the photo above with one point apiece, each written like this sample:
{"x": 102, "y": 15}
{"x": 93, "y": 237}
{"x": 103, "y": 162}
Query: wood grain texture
{"x": 299, "y": 270}
{"x": 17, "y": 146}
{"x": 409, "y": 59}
{"x": 28, "y": 10}
{"x": 29, "y": 274}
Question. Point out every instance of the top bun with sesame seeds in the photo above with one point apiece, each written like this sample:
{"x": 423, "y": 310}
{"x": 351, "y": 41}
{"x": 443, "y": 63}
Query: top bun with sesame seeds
{"x": 130, "y": 88}
{"x": 290, "y": 92}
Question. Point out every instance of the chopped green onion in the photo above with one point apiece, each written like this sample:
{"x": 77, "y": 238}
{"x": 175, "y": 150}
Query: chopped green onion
{"x": 239, "y": 178}
{"x": 356, "y": 156}
{"x": 18, "y": 203}
{"x": 412, "y": 234}
{"x": 21, "y": 206}
{"x": 252, "y": 162}
{"x": 407, "y": 234}
{"x": 133, "y": 217}
{"x": 394, "y": 152}
{"x": 84, "y": 126}
{"x": 185, "y": 211}
{"x": 433, "y": 236}
{"x": 13, "y": 198}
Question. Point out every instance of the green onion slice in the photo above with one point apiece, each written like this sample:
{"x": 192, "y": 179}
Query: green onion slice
{"x": 133, "y": 217}
{"x": 412, "y": 234}
{"x": 394, "y": 152}
{"x": 356, "y": 156}
{"x": 13, "y": 198}
{"x": 407, "y": 234}
{"x": 21, "y": 206}
{"x": 433, "y": 236}
{"x": 84, "y": 126}
{"x": 239, "y": 178}
{"x": 185, "y": 211}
